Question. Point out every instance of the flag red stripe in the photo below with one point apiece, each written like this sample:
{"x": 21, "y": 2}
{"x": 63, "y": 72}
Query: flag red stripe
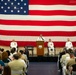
{"x": 51, "y": 2}
{"x": 55, "y": 12}
{"x": 25, "y": 43}
{"x": 37, "y": 23}
{"x": 37, "y": 33}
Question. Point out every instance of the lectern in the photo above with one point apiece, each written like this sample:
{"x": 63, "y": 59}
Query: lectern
{"x": 40, "y": 48}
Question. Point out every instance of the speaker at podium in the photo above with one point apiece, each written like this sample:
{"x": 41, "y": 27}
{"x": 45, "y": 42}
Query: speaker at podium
{"x": 40, "y": 48}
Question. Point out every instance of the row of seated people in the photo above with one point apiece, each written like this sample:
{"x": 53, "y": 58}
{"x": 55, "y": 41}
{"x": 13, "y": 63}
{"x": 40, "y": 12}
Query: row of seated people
{"x": 50, "y": 44}
{"x": 51, "y": 47}
{"x": 67, "y": 62}
{"x": 17, "y": 62}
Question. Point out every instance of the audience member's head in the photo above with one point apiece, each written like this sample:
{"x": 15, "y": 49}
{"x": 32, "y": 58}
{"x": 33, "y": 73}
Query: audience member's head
{"x": 70, "y": 50}
{"x": 21, "y": 51}
{"x": 4, "y": 55}
{"x": 8, "y": 52}
{"x": 16, "y": 56}
{"x": 19, "y": 54}
{"x": 1, "y": 50}
{"x": 72, "y": 55}
{"x": 13, "y": 50}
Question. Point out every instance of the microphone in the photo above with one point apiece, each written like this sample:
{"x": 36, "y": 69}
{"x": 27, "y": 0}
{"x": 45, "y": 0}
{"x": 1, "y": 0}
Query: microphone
{"x": 42, "y": 38}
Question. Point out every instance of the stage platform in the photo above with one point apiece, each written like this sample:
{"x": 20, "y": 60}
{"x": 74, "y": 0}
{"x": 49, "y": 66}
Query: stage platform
{"x": 43, "y": 58}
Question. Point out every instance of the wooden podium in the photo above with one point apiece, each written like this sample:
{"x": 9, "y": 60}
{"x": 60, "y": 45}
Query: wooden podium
{"x": 40, "y": 48}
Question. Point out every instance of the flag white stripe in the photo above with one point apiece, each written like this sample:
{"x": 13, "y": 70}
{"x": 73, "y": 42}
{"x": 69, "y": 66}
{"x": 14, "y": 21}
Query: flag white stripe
{"x": 37, "y": 28}
{"x": 34, "y": 38}
{"x": 38, "y": 18}
{"x": 52, "y": 7}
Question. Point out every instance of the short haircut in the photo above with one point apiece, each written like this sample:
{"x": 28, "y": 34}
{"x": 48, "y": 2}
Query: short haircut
{"x": 16, "y": 56}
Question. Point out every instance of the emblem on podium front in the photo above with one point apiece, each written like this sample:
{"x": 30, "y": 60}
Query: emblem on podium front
{"x": 40, "y": 46}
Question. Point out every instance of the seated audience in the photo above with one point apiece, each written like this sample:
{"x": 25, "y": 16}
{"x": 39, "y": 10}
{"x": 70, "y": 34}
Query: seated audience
{"x": 12, "y": 52}
{"x": 23, "y": 56}
{"x": 26, "y": 52}
{"x": 70, "y": 63}
{"x": 1, "y": 64}
{"x": 8, "y": 52}
{"x": 5, "y": 57}
{"x": 18, "y": 67}
{"x": 59, "y": 63}
{"x": 1, "y": 50}
{"x": 64, "y": 59}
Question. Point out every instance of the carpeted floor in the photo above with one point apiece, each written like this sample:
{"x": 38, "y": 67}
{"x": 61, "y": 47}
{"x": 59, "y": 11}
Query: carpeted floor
{"x": 42, "y": 68}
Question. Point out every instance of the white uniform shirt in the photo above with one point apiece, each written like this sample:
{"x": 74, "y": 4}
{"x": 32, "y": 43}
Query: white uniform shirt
{"x": 51, "y": 45}
{"x": 13, "y": 45}
{"x": 69, "y": 45}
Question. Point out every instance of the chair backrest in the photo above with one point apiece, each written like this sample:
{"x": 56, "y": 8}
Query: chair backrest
{"x": 30, "y": 47}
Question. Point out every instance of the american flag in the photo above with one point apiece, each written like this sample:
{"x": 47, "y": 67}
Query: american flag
{"x": 25, "y": 20}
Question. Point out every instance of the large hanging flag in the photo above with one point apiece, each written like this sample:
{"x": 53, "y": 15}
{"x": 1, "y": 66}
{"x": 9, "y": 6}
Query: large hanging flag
{"x": 25, "y": 20}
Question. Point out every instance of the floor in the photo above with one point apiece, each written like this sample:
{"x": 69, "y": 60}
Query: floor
{"x": 43, "y": 68}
